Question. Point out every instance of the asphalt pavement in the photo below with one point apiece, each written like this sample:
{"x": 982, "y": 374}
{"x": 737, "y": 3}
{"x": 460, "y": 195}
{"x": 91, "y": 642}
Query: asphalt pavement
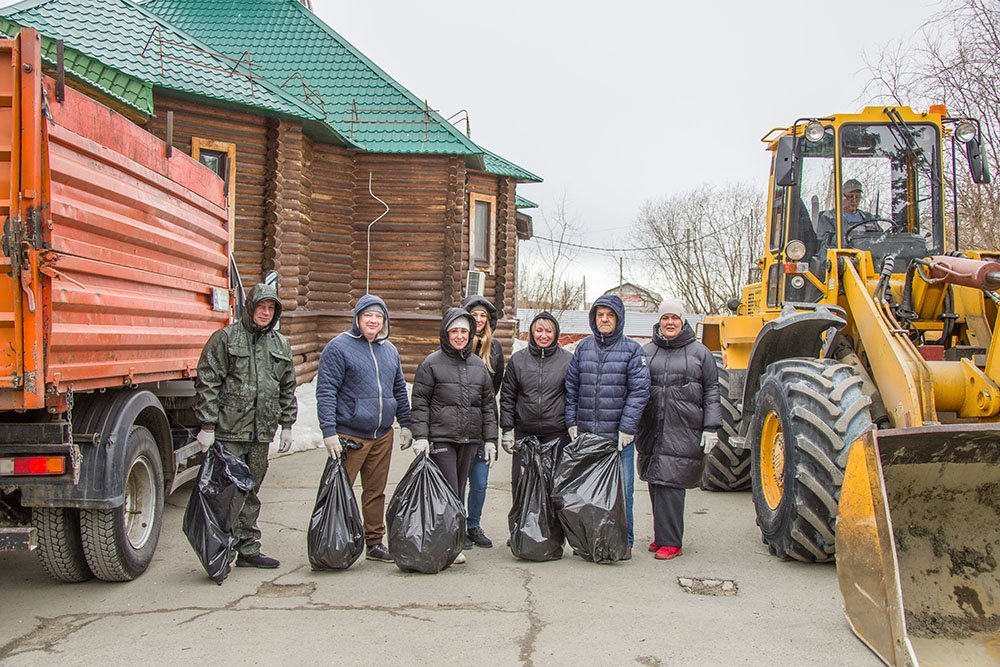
{"x": 492, "y": 610}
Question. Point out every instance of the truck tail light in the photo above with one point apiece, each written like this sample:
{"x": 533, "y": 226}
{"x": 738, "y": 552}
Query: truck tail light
{"x": 33, "y": 465}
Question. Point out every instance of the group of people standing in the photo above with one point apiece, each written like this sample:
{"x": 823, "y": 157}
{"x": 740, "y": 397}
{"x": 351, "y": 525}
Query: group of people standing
{"x": 661, "y": 399}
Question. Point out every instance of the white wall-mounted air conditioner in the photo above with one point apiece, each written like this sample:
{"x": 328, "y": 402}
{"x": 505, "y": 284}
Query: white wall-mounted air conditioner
{"x": 475, "y": 283}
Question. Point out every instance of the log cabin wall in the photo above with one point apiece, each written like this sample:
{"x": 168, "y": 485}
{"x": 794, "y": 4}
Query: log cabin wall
{"x": 249, "y": 134}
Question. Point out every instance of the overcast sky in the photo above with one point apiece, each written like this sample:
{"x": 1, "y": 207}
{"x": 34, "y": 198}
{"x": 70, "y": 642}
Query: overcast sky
{"x": 617, "y": 103}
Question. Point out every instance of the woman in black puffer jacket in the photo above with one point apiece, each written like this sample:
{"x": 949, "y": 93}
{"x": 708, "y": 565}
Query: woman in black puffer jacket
{"x": 452, "y": 406}
{"x": 533, "y": 394}
{"x": 682, "y": 415}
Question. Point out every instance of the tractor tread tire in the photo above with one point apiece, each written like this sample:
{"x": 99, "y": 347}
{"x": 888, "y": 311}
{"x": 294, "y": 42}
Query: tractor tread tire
{"x": 59, "y": 547}
{"x": 822, "y": 410}
{"x": 726, "y": 468}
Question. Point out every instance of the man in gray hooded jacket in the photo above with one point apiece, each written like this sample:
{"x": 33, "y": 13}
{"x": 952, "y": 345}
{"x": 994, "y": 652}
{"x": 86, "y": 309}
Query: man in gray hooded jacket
{"x": 246, "y": 388}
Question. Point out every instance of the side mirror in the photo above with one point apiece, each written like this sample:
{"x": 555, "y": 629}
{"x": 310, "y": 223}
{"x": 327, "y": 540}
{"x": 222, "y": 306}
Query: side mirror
{"x": 979, "y": 168}
{"x": 784, "y": 161}
{"x": 733, "y": 304}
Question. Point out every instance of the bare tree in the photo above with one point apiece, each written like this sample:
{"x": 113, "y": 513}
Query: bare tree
{"x": 703, "y": 243}
{"x": 954, "y": 60}
{"x": 544, "y": 280}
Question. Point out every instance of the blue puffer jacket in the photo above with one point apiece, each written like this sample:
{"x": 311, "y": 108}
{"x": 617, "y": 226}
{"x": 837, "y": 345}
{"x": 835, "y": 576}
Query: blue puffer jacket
{"x": 607, "y": 382}
{"x": 359, "y": 385}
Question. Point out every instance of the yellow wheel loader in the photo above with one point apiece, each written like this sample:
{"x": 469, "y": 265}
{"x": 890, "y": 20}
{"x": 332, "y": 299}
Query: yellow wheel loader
{"x": 863, "y": 372}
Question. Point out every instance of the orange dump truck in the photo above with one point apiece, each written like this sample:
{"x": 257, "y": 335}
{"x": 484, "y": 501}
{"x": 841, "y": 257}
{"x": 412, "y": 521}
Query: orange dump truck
{"x": 114, "y": 271}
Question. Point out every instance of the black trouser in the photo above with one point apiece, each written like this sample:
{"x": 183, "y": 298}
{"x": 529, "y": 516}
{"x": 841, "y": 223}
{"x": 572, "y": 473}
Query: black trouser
{"x": 515, "y": 471}
{"x": 455, "y": 461}
{"x": 668, "y": 515}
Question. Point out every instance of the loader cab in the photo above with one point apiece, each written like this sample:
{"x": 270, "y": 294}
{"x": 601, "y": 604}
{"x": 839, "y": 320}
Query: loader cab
{"x": 893, "y": 154}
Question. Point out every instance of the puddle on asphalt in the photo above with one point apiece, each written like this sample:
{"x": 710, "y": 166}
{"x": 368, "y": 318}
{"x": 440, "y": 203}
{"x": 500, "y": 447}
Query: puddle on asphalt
{"x": 273, "y": 590}
{"x": 699, "y": 586}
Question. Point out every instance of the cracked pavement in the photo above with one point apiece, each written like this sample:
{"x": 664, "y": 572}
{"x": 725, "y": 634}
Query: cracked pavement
{"x": 493, "y": 610}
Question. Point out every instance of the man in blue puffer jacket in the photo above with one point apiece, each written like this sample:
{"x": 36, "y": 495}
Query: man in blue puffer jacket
{"x": 607, "y": 387}
{"x": 359, "y": 391}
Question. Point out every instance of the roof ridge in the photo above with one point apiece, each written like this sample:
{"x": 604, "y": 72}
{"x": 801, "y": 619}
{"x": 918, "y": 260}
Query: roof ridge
{"x": 467, "y": 142}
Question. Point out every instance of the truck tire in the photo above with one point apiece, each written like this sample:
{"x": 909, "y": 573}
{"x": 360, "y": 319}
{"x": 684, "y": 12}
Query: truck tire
{"x": 808, "y": 412}
{"x": 59, "y": 546}
{"x": 119, "y": 543}
{"x": 726, "y": 468}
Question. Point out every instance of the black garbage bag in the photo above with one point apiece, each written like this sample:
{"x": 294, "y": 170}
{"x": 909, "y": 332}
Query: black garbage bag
{"x": 588, "y": 495}
{"x": 535, "y": 531}
{"x": 216, "y": 502}
{"x": 425, "y": 520}
{"x": 336, "y": 535}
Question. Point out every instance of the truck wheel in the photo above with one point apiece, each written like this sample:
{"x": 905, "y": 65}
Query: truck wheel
{"x": 726, "y": 468}
{"x": 119, "y": 542}
{"x": 59, "y": 546}
{"x": 808, "y": 413}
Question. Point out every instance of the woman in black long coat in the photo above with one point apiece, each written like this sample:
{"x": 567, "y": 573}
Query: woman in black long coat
{"x": 680, "y": 420}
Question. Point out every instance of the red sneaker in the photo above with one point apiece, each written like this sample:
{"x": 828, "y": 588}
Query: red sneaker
{"x": 666, "y": 553}
{"x": 653, "y": 546}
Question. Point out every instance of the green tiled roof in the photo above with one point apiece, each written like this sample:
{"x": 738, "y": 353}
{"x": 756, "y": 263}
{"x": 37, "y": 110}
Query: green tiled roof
{"x": 291, "y": 46}
{"x": 142, "y": 45}
{"x": 497, "y": 165}
{"x": 114, "y": 83}
{"x": 524, "y": 202}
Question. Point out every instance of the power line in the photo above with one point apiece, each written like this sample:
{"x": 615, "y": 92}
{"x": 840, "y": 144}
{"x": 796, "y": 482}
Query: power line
{"x": 622, "y": 250}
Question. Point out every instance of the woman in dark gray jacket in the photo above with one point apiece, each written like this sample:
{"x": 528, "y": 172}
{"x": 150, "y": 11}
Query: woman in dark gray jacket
{"x": 533, "y": 394}
{"x": 681, "y": 417}
{"x": 452, "y": 409}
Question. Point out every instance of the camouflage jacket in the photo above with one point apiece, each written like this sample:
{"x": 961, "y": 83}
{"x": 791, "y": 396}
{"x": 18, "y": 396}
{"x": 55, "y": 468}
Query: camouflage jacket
{"x": 246, "y": 380}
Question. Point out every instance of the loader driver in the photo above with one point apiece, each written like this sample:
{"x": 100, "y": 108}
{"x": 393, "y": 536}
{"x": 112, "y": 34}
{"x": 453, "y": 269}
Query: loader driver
{"x": 850, "y": 215}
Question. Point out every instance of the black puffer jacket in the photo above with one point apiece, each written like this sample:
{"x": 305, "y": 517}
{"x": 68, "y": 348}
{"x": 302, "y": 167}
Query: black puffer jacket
{"x": 683, "y": 403}
{"x": 453, "y": 397}
{"x": 533, "y": 395}
{"x": 496, "y": 368}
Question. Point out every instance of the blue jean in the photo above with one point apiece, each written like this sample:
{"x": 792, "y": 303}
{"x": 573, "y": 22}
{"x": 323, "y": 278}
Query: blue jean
{"x": 479, "y": 475}
{"x": 628, "y": 469}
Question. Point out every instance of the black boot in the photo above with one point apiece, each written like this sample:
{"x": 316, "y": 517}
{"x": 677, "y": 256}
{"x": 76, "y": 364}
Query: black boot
{"x": 479, "y": 538}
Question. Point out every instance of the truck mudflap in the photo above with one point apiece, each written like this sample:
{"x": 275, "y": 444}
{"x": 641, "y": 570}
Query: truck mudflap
{"x": 918, "y": 543}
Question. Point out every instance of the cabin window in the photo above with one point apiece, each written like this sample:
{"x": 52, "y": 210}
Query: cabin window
{"x": 482, "y": 213}
{"x": 220, "y": 157}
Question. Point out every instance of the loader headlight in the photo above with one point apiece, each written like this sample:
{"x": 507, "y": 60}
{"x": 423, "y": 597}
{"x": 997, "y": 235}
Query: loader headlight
{"x": 798, "y": 282}
{"x": 814, "y": 131}
{"x": 965, "y": 131}
{"x": 795, "y": 250}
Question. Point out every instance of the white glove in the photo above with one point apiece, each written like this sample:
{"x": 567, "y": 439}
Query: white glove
{"x": 708, "y": 440}
{"x": 205, "y": 438}
{"x": 507, "y": 441}
{"x": 421, "y": 446}
{"x": 334, "y": 446}
{"x": 490, "y": 450}
{"x": 572, "y": 432}
{"x": 405, "y": 438}
{"x": 624, "y": 440}
{"x": 285, "y": 442}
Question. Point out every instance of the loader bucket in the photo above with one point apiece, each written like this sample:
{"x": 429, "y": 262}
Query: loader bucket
{"x": 918, "y": 540}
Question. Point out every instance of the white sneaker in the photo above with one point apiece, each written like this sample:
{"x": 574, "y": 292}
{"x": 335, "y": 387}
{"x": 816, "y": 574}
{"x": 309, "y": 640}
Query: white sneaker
{"x": 460, "y": 559}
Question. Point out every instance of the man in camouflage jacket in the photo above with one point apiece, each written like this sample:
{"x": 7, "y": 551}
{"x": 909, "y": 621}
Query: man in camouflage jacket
{"x": 246, "y": 388}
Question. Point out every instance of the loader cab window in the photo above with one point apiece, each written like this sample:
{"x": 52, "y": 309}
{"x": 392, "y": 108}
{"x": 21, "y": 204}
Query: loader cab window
{"x": 900, "y": 200}
{"x": 808, "y": 199}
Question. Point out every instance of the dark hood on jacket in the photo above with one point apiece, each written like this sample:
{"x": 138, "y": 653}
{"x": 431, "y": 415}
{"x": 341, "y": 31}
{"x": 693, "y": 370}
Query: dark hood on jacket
{"x": 450, "y": 316}
{"x": 685, "y": 337}
{"x": 260, "y": 292}
{"x": 532, "y": 345}
{"x": 614, "y": 303}
{"x": 470, "y": 302}
{"x": 363, "y": 304}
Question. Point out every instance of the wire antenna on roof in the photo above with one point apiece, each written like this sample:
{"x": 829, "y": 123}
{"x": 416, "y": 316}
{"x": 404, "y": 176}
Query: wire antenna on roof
{"x": 368, "y": 269}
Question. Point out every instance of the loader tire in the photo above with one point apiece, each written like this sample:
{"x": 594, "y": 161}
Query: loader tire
{"x": 726, "y": 468}
{"x": 59, "y": 548}
{"x": 119, "y": 543}
{"x": 808, "y": 412}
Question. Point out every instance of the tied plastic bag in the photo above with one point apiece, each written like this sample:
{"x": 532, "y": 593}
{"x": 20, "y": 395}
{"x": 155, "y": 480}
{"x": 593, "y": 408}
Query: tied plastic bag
{"x": 425, "y": 520}
{"x": 336, "y": 535}
{"x": 535, "y": 531}
{"x": 216, "y": 502}
{"x": 588, "y": 495}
